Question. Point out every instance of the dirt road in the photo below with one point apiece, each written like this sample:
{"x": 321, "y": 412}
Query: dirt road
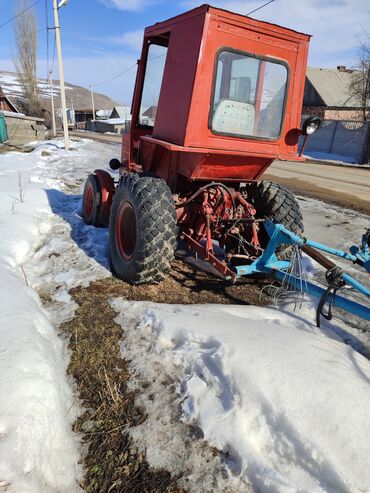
{"x": 343, "y": 185}
{"x": 106, "y": 138}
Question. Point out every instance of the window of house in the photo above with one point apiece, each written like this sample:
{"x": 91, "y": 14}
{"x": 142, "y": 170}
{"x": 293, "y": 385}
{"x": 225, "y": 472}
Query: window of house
{"x": 249, "y": 96}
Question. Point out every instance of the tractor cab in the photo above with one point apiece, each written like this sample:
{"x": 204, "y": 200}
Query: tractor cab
{"x": 218, "y": 96}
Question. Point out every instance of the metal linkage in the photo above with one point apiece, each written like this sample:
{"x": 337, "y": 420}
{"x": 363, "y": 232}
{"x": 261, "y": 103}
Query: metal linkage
{"x": 269, "y": 263}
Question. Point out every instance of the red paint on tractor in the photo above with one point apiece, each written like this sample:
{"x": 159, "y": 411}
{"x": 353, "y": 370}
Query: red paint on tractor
{"x": 181, "y": 144}
{"x": 107, "y": 190}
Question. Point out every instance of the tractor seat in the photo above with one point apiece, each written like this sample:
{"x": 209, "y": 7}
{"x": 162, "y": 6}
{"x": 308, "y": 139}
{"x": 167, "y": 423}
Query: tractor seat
{"x": 234, "y": 117}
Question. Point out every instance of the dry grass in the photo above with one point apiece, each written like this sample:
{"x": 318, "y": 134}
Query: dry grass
{"x": 112, "y": 463}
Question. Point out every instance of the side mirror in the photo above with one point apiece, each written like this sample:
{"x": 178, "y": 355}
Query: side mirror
{"x": 310, "y": 125}
{"x": 114, "y": 163}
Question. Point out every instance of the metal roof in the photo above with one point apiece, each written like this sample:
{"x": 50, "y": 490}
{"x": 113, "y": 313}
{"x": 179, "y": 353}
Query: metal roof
{"x": 332, "y": 85}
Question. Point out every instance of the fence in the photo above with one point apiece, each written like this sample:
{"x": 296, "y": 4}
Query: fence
{"x": 345, "y": 138}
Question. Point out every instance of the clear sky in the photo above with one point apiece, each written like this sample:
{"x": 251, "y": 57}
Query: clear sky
{"x": 102, "y": 38}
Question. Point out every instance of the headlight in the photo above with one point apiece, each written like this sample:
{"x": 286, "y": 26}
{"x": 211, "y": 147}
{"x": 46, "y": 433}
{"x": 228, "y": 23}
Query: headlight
{"x": 310, "y": 125}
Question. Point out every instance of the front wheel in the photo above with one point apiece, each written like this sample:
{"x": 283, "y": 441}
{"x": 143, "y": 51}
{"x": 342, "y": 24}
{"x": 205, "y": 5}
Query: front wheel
{"x": 142, "y": 230}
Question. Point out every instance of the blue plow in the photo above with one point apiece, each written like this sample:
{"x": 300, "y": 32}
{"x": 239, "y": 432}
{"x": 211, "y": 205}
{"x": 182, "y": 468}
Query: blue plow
{"x": 269, "y": 263}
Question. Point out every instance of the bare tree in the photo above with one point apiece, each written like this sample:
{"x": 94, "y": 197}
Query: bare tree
{"x": 360, "y": 84}
{"x": 25, "y": 29}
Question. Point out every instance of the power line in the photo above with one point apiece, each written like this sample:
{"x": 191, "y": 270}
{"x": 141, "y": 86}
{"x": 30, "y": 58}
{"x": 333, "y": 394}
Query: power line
{"x": 125, "y": 71}
{"x": 261, "y": 7}
{"x": 20, "y": 13}
{"x": 115, "y": 77}
{"x": 17, "y": 38}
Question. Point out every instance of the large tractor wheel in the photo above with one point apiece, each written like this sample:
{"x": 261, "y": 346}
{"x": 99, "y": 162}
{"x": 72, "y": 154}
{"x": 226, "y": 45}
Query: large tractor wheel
{"x": 142, "y": 230}
{"x": 277, "y": 202}
{"x": 97, "y": 198}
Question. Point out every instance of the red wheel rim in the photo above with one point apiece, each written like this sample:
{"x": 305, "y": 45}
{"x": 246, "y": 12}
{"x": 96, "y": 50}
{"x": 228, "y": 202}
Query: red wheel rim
{"x": 126, "y": 230}
{"x": 89, "y": 201}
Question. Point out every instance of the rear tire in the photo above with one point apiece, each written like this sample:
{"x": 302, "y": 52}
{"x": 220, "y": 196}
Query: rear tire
{"x": 142, "y": 230}
{"x": 91, "y": 201}
{"x": 277, "y": 202}
{"x": 97, "y": 198}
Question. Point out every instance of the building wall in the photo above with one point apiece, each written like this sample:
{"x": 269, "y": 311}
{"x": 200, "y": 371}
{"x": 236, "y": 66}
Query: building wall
{"x": 334, "y": 114}
{"x": 22, "y": 130}
{"x": 314, "y": 111}
{"x": 102, "y": 127}
{"x": 344, "y": 114}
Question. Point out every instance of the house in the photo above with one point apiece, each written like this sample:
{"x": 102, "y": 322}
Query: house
{"x": 123, "y": 112}
{"x": 22, "y": 129}
{"x": 327, "y": 94}
{"x": 112, "y": 125}
{"x": 6, "y": 104}
{"x": 149, "y": 114}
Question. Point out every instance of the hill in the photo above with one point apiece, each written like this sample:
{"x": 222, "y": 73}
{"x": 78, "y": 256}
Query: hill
{"x": 77, "y": 97}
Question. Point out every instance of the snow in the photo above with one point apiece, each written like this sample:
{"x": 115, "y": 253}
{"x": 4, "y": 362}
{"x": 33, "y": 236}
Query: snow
{"x": 38, "y": 224}
{"x": 12, "y": 113}
{"x": 339, "y": 228}
{"x": 115, "y": 121}
{"x": 288, "y": 404}
{"x": 104, "y": 113}
{"x": 12, "y": 86}
{"x": 327, "y": 156}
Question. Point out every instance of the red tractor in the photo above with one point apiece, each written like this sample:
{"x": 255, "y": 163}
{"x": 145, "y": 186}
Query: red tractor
{"x": 223, "y": 94}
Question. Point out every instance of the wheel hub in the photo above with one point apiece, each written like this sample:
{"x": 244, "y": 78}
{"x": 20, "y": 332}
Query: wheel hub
{"x": 126, "y": 230}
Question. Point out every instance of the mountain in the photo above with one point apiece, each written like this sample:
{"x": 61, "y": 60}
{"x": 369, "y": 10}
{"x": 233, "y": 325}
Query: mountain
{"x": 77, "y": 97}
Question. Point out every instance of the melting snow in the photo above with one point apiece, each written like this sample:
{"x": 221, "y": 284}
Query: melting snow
{"x": 286, "y": 403}
{"x": 38, "y": 451}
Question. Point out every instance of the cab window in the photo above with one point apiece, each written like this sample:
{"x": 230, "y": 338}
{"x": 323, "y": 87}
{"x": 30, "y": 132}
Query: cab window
{"x": 248, "y": 96}
{"x": 152, "y": 84}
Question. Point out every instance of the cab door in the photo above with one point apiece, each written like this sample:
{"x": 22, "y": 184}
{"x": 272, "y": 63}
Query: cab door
{"x": 145, "y": 99}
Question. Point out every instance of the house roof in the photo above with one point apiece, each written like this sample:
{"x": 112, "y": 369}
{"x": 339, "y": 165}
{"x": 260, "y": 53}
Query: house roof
{"x": 150, "y": 112}
{"x": 10, "y": 103}
{"x": 104, "y": 113}
{"x": 332, "y": 85}
{"x": 122, "y": 111}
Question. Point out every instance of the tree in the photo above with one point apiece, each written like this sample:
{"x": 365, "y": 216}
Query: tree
{"x": 25, "y": 29}
{"x": 360, "y": 83}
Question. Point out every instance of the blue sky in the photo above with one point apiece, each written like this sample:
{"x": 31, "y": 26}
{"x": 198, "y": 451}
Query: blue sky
{"x": 102, "y": 38}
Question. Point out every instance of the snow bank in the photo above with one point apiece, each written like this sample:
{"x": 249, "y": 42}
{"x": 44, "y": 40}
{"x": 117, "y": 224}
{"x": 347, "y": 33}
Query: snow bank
{"x": 328, "y": 156}
{"x": 288, "y": 404}
{"x": 37, "y": 449}
{"x": 39, "y": 224}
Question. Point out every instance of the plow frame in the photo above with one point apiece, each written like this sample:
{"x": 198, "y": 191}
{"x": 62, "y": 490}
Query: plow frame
{"x": 268, "y": 263}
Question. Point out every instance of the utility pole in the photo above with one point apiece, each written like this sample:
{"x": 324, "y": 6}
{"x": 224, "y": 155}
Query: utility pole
{"x": 52, "y": 103}
{"x": 92, "y": 101}
{"x": 61, "y": 73}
